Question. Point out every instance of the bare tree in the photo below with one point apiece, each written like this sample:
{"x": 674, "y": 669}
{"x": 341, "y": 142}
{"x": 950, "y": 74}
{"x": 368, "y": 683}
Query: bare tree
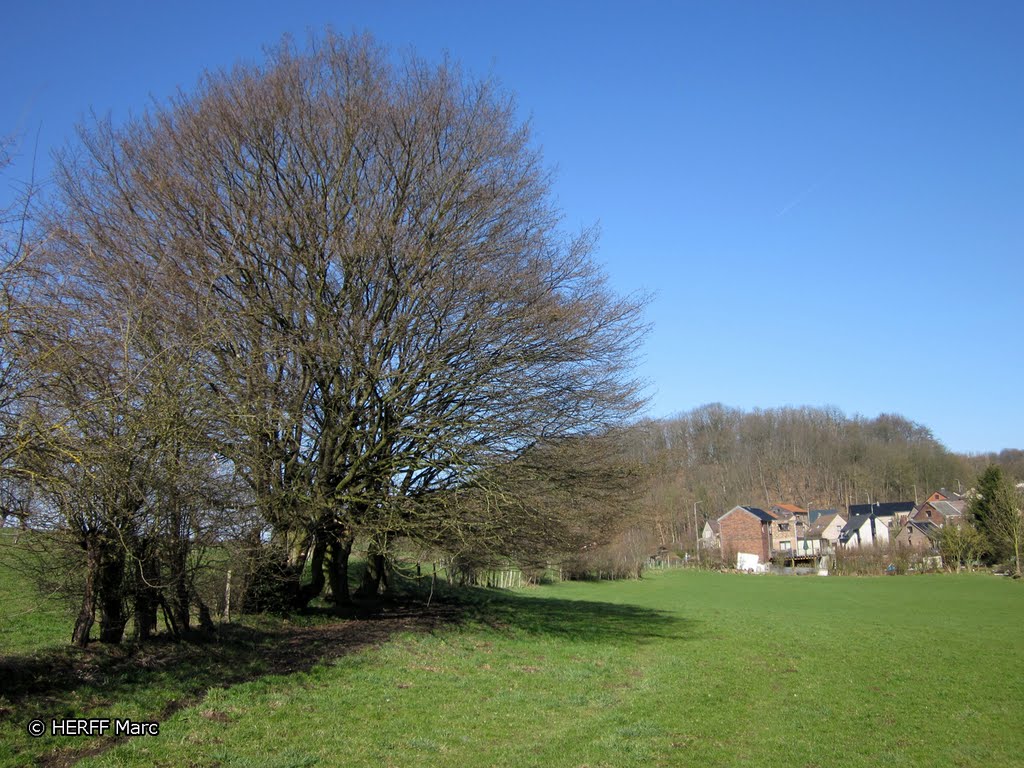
{"x": 1006, "y": 525}
{"x": 16, "y": 277}
{"x": 960, "y": 545}
{"x": 388, "y": 307}
{"x": 122, "y": 462}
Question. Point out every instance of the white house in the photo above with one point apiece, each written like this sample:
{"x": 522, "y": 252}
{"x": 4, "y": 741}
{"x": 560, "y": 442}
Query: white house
{"x": 826, "y": 529}
{"x": 710, "y": 537}
{"x": 864, "y": 531}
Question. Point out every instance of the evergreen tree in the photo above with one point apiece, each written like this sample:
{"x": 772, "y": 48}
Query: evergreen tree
{"x": 996, "y": 509}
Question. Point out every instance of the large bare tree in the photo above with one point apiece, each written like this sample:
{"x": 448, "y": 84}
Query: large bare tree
{"x": 388, "y": 306}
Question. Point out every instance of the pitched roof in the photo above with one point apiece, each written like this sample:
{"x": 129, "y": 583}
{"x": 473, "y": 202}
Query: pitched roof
{"x": 817, "y": 528}
{"x": 948, "y": 495}
{"x": 814, "y": 514}
{"x": 929, "y": 529}
{"x": 948, "y": 508}
{"x": 791, "y": 508}
{"x": 855, "y": 523}
{"x": 884, "y": 509}
{"x": 760, "y": 514}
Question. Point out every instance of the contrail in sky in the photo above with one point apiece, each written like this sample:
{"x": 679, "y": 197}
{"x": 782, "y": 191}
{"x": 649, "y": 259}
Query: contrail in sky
{"x": 796, "y": 201}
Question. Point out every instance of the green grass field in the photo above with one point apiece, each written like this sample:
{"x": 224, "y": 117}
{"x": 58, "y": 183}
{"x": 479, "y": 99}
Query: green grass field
{"x": 29, "y": 620}
{"x": 680, "y": 668}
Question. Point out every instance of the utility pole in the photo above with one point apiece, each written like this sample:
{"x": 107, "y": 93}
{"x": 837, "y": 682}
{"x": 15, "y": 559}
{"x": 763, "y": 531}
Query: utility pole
{"x": 696, "y": 532}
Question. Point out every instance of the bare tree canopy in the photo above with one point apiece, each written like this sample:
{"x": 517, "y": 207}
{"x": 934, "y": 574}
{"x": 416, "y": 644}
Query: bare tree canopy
{"x": 357, "y": 267}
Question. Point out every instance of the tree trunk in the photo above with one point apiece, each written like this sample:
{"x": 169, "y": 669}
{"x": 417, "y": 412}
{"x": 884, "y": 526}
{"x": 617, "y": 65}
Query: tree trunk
{"x": 307, "y": 592}
{"x": 375, "y": 576}
{"x": 341, "y": 548}
{"x": 180, "y": 597}
{"x": 227, "y": 597}
{"x": 145, "y": 613}
{"x": 1016, "y": 557}
{"x": 111, "y": 594}
{"x": 169, "y": 618}
{"x": 205, "y": 619}
{"x": 83, "y": 624}
{"x": 146, "y": 595}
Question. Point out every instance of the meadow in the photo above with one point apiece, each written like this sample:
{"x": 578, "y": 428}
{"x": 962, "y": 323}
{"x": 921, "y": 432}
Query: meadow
{"x": 679, "y": 668}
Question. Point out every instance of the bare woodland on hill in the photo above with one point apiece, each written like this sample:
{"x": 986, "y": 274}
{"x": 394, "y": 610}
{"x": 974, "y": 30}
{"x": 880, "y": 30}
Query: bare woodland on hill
{"x": 716, "y": 457}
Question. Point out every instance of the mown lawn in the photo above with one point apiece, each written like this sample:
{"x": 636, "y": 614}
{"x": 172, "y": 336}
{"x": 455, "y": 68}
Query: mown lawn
{"x": 680, "y": 668}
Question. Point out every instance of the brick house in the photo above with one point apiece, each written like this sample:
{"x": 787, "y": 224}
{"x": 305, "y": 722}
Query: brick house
{"x": 788, "y": 527}
{"x": 943, "y": 495}
{"x": 746, "y": 529}
{"x": 940, "y": 513}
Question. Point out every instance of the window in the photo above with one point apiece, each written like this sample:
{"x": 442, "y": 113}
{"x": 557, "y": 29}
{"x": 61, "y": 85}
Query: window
{"x": 783, "y": 526}
{"x": 784, "y": 544}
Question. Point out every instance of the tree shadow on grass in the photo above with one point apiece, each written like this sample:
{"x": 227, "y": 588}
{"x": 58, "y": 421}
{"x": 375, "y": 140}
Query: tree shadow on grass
{"x": 237, "y": 652}
{"x": 155, "y": 680}
{"x": 579, "y": 620}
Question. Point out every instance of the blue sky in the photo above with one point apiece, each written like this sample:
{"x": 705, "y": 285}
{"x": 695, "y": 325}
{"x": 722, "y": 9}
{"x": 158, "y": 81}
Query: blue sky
{"x": 827, "y": 198}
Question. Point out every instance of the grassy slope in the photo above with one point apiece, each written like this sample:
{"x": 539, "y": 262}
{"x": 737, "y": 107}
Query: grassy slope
{"x": 678, "y": 669}
{"x": 29, "y": 620}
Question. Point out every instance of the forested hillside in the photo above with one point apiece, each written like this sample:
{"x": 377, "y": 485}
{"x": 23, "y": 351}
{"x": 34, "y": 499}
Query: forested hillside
{"x": 715, "y": 457}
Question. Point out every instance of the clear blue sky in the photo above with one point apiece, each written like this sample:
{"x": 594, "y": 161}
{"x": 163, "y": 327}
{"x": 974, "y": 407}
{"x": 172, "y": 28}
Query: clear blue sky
{"x": 826, "y": 197}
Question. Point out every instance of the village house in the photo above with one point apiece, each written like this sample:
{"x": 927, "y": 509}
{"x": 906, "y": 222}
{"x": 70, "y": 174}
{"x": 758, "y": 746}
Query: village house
{"x": 919, "y": 535}
{"x": 709, "y": 536}
{"x": 788, "y": 526}
{"x": 826, "y": 529}
{"x": 864, "y": 530}
{"x": 808, "y": 547}
{"x": 943, "y": 495}
{"x": 940, "y": 513}
{"x": 746, "y": 529}
{"x": 791, "y": 509}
